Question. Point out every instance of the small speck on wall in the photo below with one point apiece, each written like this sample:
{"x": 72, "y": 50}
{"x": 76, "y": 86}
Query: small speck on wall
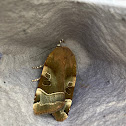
{"x": 0, "y": 55}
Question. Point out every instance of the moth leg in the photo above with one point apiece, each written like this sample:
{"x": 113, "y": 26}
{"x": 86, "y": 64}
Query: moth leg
{"x": 63, "y": 113}
{"x": 38, "y": 67}
{"x": 36, "y": 80}
{"x": 67, "y": 105}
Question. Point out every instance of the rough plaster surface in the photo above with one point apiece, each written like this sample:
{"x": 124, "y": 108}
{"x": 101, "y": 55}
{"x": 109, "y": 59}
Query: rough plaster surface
{"x": 30, "y": 30}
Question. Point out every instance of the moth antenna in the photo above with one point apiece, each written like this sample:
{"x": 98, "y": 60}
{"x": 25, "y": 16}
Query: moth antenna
{"x": 61, "y": 41}
{"x": 42, "y": 52}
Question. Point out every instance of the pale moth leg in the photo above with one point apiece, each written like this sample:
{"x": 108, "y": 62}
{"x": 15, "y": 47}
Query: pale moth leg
{"x": 38, "y": 67}
{"x": 36, "y": 80}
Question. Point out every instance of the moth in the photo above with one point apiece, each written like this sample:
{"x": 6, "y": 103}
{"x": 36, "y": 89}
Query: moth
{"x": 56, "y": 84}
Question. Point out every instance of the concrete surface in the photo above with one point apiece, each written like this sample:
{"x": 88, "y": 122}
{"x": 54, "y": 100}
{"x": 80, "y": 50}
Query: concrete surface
{"x": 30, "y": 30}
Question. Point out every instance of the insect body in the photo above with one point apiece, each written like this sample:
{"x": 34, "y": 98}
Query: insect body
{"x": 56, "y": 84}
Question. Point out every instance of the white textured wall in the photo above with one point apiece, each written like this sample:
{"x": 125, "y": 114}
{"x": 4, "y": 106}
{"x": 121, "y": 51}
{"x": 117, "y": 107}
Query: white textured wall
{"x": 29, "y": 31}
{"x": 117, "y": 3}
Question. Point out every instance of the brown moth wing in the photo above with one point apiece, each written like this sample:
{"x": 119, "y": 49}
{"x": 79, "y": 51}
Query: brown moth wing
{"x": 56, "y": 84}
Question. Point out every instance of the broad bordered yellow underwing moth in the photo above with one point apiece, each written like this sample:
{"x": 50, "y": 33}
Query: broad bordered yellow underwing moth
{"x": 56, "y": 84}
